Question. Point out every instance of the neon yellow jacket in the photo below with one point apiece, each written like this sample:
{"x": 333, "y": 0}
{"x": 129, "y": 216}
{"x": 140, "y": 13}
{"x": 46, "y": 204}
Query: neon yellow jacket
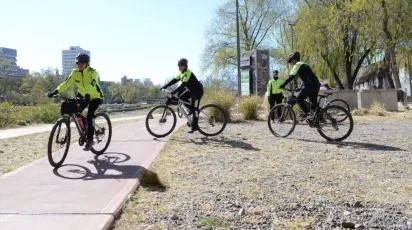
{"x": 273, "y": 86}
{"x": 86, "y": 83}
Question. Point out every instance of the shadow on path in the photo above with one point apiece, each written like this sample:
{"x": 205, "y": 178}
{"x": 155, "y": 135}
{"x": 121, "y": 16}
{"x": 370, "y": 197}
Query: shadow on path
{"x": 107, "y": 166}
{"x": 357, "y": 145}
{"x": 221, "y": 142}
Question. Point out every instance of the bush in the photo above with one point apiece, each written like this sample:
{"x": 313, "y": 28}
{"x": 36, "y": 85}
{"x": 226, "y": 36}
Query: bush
{"x": 47, "y": 113}
{"x": 21, "y": 115}
{"x": 249, "y": 107}
{"x": 222, "y": 98}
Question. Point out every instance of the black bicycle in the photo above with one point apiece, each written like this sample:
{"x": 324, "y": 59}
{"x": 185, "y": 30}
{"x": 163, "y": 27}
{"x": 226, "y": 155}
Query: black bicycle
{"x": 324, "y": 102}
{"x": 161, "y": 120}
{"x": 333, "y": 122}
{"x": 59, "y": 140}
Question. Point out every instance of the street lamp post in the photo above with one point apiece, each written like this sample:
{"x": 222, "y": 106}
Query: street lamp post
{"x": 238, "y": 49}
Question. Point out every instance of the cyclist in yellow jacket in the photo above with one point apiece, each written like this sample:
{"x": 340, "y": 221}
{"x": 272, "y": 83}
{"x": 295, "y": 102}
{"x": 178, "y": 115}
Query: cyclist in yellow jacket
{"x": 274, "y": 92}
{"x": 86, "y": 80}
{"x": 195, "y": 90}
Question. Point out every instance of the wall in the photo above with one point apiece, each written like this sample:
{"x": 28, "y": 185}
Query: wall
{"x": 365, "y": 98}
{"x": 388, "y": 97}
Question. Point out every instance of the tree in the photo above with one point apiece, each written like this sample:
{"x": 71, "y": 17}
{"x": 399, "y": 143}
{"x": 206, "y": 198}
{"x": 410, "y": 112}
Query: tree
{"x": 335, "y": 31}
{"x": 257, "y": 19}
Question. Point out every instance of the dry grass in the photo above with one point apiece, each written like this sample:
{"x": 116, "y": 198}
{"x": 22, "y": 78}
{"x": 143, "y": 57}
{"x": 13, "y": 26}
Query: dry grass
{"x": 249, "y": 107}
{"x": 247, "y": 168}
{"x": 376, "y": 109}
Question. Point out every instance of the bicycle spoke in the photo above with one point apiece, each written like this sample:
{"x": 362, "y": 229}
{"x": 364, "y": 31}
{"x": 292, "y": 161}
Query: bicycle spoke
{"x": 335, "y": 123}
{"x": 281, "y": 120}
{"x": 212, "y": 120}
{"x": 102, "y": 133}
{"x": 161, "y": 121}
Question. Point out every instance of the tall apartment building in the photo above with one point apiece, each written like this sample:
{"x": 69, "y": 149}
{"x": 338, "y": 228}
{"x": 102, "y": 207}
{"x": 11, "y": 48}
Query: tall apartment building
{"x": 8, "y": 61}
{"x": 68, "y": 58}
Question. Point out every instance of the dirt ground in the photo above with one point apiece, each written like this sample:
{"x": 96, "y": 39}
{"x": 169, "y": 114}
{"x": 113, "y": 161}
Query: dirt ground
{"x": 246, "y": 178}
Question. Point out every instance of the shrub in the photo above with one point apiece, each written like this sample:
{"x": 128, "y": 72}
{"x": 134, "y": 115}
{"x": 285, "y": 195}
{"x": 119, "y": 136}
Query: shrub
{"x": 376, "y": 109}
{"x": 7, "y": 114}
{"x": 249, "y": 107}
{"x": 21, "y": 115}
{"x": 224, "y": 99}
{"x": 47, "y": 113}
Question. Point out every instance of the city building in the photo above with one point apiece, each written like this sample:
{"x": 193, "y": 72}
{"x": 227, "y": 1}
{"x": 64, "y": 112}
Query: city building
{"x": 8, "y": 64}
{"x": 68, "y": 58}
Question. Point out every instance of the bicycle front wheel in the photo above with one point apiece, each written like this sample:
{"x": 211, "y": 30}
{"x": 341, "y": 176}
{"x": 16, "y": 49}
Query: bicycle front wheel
{"x": 212, "y": 120}
{"x": 281, "y": 120}
{"x": 102, "y": 133}
{"x": 161, "y": 121}
{"x": 59, "y": 142}
{"x": 335, "y": 123}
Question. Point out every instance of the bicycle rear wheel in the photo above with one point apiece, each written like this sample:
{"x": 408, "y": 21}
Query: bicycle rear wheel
{"x": 342, "y": 103}
{"x": 160, "y": 121}
{"x": 102, "y": 133}
{"x": 335, "y": 123}
{"x": 212, "y": 120}
{"x": 281, "y": 120}
{"x": 59, "y": 142}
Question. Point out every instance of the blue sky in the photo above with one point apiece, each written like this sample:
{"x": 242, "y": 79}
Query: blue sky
{"x": 137, "y": 38}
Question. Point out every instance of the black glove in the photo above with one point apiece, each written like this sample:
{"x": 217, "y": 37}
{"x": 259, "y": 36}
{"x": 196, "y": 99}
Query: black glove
{"x": 51, "y": 94}
{"x": 87, "y": 98}
{"x": 282, "y": 86}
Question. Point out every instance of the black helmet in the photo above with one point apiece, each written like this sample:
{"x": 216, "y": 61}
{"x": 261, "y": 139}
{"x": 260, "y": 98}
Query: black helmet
{"x": 182, "y": 61}
{"x": 293, "y": 56}
{"x": 82, "y": 58}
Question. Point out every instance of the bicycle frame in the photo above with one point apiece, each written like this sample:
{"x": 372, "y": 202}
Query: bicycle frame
{"x": 181, "y": 103}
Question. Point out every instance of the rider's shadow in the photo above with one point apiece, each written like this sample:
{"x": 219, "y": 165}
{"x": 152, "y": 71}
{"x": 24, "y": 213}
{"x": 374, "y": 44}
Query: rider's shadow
{"x": 358, "y": 145}
{"x": 107, "y": 166}
{"x": 224, "y": 142}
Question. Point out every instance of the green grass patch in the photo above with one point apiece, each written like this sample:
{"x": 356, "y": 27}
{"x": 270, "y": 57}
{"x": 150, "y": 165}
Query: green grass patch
{"x": 12, "y": 115}
{"x": 213, "y": 221}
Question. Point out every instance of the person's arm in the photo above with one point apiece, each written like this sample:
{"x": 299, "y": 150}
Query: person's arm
{"x": 287, "y": 81}
{"x": 292, "y": 74}
{"x": 172, "y": 82}
{"x": 66, "y": 84}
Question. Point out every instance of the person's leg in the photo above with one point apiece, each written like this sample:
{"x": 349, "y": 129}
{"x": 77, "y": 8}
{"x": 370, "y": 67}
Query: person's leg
{"x": 195, "y": 109}
{"x": 278, "y": 100}
{"x": 271, "y": 105}
{"x": 93, "y": 105}
{"x": 313, "y": 97}
{"x": 301, "y": 100}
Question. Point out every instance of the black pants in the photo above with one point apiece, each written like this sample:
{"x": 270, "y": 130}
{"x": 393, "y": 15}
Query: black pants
{"x": 275, "y": 99}
{"x": 194, "y": 99}
{"x": 93, "y": 105}
{"x": 311, "y": 92}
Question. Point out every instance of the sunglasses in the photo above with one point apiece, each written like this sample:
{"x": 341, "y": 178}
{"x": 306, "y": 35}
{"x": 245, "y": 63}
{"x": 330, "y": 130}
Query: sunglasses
{"x": 79, "y": 63}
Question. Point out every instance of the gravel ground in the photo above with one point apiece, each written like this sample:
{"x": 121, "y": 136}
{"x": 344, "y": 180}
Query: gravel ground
{"x": 246, "y": 178}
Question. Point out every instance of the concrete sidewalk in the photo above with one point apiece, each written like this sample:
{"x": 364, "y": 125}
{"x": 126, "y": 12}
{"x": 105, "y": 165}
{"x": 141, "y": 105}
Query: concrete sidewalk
{"x": 87, "y": 192}
{"x": 17, "y": 132}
